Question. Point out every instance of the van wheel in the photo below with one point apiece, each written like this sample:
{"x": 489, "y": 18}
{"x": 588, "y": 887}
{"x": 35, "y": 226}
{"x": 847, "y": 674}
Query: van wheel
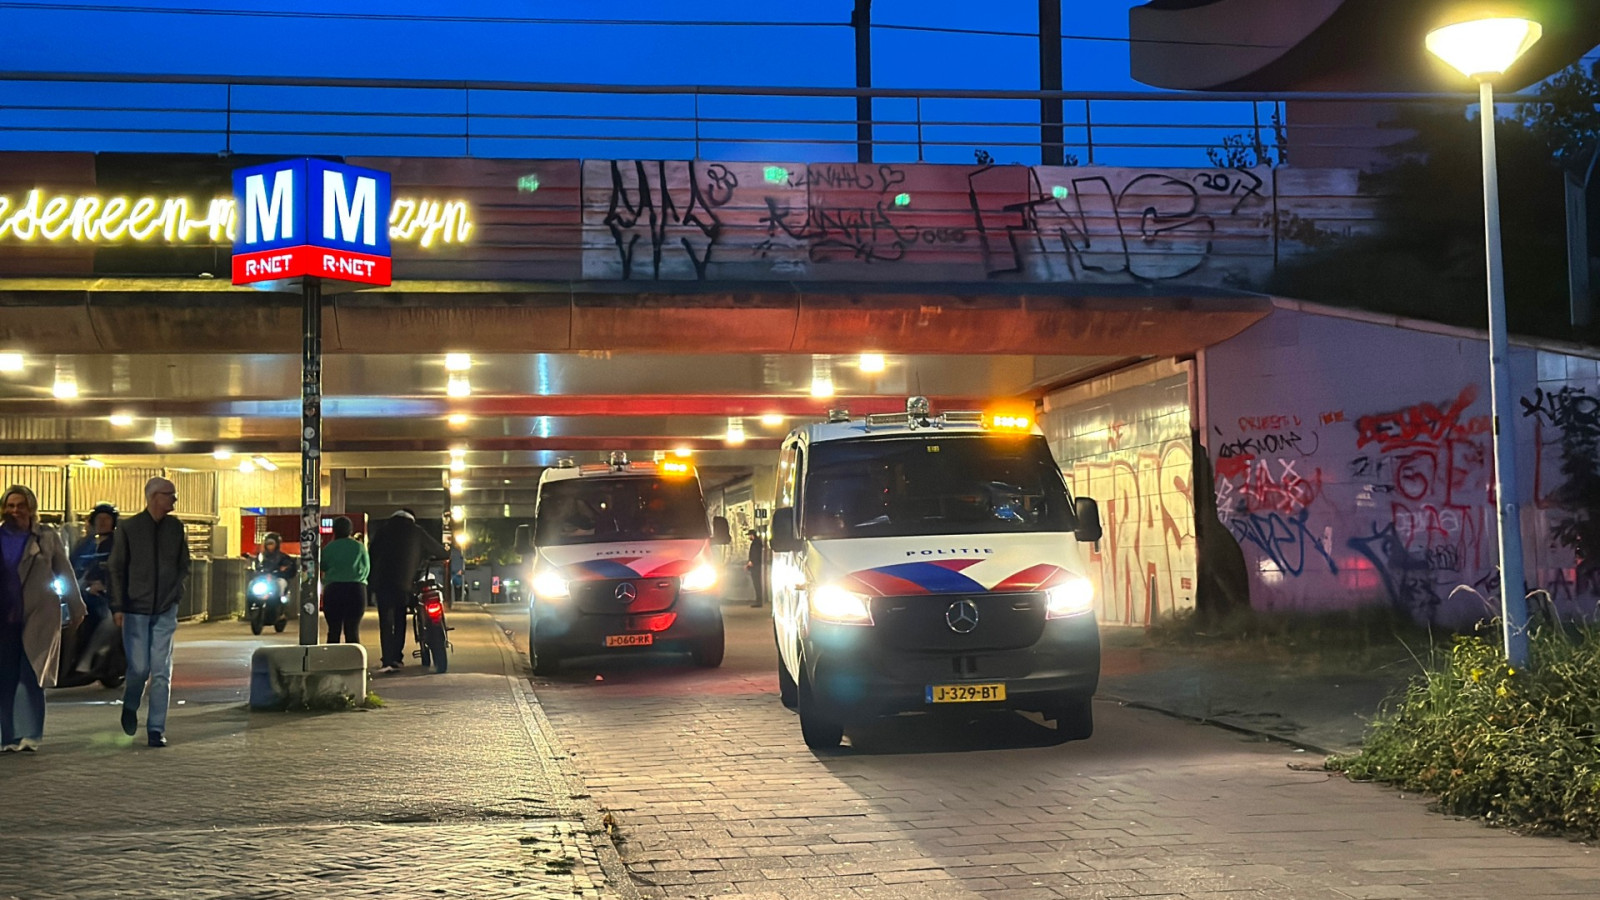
{"x": 546, "y": 663}
{"x": 1074, "y": 721}
{"x": 788, "y": 691}
{"x": 708, "y": 653}
{"x": 817, "y": 725}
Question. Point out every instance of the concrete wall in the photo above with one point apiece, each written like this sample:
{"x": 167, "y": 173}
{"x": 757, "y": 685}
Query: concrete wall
{"x": 1354, "y": 465}
{"x": 1124, "y": 440}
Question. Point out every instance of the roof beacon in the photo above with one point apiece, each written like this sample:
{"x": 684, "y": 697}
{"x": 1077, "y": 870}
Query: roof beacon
{"x": 919, "y": 408}
{"x": 838, "y": 415}
{"x": 619, "y": 459}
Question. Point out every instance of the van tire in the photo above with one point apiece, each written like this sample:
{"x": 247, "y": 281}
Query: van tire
{"x": 709, "y": 651}
{"x": 818, "y": 727}
{"x": 1074, "y": 721}
{"x": 788, "y": 691}
{"x": 546, "y": 663}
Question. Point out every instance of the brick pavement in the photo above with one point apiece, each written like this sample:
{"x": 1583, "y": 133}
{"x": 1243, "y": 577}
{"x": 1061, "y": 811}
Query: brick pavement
{"x": 449, "y": 790}
{"x": 715, "y": 795}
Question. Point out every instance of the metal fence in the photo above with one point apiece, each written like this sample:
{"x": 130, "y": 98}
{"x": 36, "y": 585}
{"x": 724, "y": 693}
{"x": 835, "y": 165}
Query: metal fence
{"x": 366, "y": 117}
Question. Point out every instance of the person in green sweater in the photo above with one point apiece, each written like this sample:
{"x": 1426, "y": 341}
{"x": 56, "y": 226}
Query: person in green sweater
{"x": 344, "y": 583}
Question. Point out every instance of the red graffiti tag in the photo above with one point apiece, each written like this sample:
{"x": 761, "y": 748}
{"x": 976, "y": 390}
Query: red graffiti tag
{"x": 1423, "y": 425}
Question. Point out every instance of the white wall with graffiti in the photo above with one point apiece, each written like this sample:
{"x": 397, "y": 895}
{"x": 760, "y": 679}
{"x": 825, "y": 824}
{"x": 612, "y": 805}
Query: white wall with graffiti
{"x": 1353, "y": 462}
{"x": 1125, "y": 440}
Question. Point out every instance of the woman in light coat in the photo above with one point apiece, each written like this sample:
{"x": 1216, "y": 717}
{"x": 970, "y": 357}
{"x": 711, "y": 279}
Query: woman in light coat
{"x": 35, "y": 578}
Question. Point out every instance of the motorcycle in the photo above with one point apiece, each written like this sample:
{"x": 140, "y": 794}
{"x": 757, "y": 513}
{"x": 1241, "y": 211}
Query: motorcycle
{"x": 428, "y": 624}
{"x": 264, "y": 603}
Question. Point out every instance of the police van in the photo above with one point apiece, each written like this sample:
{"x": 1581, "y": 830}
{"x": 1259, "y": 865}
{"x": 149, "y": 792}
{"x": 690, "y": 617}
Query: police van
{"x": 620, "y": 560}
{"x": 930, "y": 563}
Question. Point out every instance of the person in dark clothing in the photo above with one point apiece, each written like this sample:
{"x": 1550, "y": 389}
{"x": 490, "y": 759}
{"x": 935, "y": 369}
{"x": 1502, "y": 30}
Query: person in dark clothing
{"x": 345, "y": 568}
{"x": 397, "y": 551}
{"x": 757, "y": 566}
{"x": 148, "y": 566}
{"x": 273, "y": 561}
{"x": 89, "y": 560}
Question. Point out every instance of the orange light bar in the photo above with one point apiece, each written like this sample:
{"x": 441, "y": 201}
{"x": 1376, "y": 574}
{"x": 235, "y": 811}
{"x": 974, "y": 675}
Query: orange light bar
{"x": 674, "y": 468}
{"x": 1010, "y": 421}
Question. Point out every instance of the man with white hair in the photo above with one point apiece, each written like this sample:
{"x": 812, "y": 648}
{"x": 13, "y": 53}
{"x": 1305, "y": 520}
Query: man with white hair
{"x": 148, "y": 567}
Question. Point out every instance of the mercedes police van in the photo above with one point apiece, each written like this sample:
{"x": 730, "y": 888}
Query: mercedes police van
{"x": 930, "y": 563}
{"x": 620, "y": 559}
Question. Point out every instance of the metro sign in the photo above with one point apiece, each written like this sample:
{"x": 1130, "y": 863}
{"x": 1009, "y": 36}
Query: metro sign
{"x": 307, "y": 218}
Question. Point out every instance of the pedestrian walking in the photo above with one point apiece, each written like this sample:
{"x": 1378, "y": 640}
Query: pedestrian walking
{"x": 345, "y": 567}
{"x": 757, "y": 566}
{"x": 149, "y": 565}
{"x": 36, "y": 578}
{"x": 398, "y": 549}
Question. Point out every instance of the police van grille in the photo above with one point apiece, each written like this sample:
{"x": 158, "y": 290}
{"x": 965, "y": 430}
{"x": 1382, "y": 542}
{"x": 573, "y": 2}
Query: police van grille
{"x": 600, "y": 597}
{"x": 1005, "y": 622}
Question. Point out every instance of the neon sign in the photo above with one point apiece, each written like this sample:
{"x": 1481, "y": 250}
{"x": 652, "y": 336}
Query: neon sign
{"x": 96, "y": 219}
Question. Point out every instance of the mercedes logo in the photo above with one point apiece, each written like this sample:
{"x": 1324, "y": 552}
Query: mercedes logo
{"x": 962, "y": 616}
{"x": 626, "y": 592}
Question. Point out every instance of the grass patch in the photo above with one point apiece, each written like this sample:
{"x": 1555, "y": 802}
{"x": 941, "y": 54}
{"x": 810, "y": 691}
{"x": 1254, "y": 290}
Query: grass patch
{"x": 333, "y": 703}
{"x": 1516, "y": 748}
{"x": 1355, "y": 641}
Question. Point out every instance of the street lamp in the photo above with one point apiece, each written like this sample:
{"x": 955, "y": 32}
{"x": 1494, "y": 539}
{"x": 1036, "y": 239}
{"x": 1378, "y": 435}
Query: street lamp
{"x": 1482, "y": 49}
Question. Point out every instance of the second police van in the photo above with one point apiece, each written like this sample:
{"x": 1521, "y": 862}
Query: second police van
{"x": 930, "y": 563}
{"x": 621, "y": 561}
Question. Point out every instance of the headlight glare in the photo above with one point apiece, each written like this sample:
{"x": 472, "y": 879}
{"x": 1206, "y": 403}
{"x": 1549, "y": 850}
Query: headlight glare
{"x": 547, "y": 585}
{"x": 832, "y": 603}
{"x": 1072, "y": 598}
{"x": 260, "y": 588}
{"x": 701, "y": 578}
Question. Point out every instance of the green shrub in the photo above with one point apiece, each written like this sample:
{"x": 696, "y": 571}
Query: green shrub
{"x": 1517, "y": 748}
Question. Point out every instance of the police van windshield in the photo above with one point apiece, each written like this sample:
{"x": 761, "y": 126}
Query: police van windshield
{"x": 938, "y": 484}
{"x": 592, "y": 511}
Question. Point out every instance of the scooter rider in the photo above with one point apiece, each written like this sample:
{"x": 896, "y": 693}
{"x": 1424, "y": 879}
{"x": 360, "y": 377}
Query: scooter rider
{"x": 273, "y": 561}
{"x": 397, "y": 550}
{"x": 89, "y": 565}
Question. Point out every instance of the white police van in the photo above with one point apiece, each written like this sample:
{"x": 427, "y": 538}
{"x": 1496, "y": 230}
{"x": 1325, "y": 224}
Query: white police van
{"x": 932, "y": 563}
{"x": 621, "y": 562}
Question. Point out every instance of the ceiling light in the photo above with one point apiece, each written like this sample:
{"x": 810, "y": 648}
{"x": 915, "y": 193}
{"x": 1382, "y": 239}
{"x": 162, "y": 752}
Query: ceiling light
{"x": 458, "y": 513}
{"x": 246, "y": 466}
{"x": 93, "y": 463}
{"x": 459, "y": 386}
{"x": 163, "y": 435}
{"x": 458, "y": 465}
{"x": 121, "y": 420}
{"x": 264, "y": 463}
{"x": 457, "y": 362}
{"x": 872, "y": 362}
{"x": 463, "y": 539}
{"x": 682, "y": 452}
{"x": 457, "y": 420}
{"x": 772, "y": 420}
{"x": 822, "y": 387}
{"x": 456, "y": 485}
{"x": 457, "y": 452}
{"x": 222, "y": 453}
{"x": 64, "y": 389}
{"x": 735, "y": 430}
{"x": 11, "y": 362}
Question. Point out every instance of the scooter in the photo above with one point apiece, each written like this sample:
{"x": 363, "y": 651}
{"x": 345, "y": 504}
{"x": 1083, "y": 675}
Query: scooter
{"x": 98, "y": 649}
{"x": 428, "y": 624}
{"x": 264, "y": 603}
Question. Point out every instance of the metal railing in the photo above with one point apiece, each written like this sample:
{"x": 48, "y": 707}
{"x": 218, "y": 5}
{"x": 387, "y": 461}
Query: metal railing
{"x": 356, "y": 117}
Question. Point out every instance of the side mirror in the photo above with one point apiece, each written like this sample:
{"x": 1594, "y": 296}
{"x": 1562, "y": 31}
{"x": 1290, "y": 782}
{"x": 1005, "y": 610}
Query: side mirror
{"x": 1089, "y": 529}
{"x": 720, "y": 535}
{"x": 785, "y": 537}
{"x": 523, "y": 544}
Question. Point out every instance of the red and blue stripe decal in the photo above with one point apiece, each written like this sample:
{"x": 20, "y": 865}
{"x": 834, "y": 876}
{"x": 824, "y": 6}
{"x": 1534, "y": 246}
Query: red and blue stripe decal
{"x": 946, "y": 577}
{"x": 617, "y": 567}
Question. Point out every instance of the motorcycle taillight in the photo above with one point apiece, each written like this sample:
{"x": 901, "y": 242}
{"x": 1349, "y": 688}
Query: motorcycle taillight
{"x": 435, "y": 608}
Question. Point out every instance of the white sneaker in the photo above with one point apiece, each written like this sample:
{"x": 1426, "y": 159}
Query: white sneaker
{"x": 28, "y": 744}
{"x": 10, "y": 748}
{"x": 386, "y": 670}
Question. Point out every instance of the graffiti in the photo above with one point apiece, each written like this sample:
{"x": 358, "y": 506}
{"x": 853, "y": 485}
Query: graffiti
{"x": 1268, "y": 423}
{"x": 1147, "y": 556}
{"x": 1570, "y": 407}
{"x": 1269, "y": 444}
{"x": 1246, "y": 485}
{"x": 644, "y": 205}
{"x": 1422, "y": 425}
{"x": 1241, "y": 183}
{"x": 1407, "y": 578}
{"x": 866, "y": 233}
{"x": 1329, "y": 418}
{"x": 1570, "y": 509}
{"x": 1286, "y": 541}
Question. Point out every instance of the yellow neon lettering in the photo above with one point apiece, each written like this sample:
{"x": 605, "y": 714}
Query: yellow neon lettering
{"x": 112, "y": 225}
{"x": 95, "y": 219}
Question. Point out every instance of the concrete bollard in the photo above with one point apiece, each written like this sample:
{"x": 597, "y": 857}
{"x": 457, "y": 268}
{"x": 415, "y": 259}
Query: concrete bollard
{"x": 319, "y": 676}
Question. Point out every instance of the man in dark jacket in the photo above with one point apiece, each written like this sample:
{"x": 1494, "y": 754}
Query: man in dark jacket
{"x": 398, "y": 548}
{"x": 148, "y": 567}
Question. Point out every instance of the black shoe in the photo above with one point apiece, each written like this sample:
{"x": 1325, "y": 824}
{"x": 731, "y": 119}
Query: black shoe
{"x": 130, "y": 721}
{"x": 157, "y": 739}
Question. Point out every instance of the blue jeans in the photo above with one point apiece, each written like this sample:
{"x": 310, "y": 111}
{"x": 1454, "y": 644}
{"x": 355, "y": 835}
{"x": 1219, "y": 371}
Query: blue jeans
{"x": 148, "y": 643}
{"x": 21, "y": 698}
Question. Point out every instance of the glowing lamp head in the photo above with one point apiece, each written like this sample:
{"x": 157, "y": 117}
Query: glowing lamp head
{"x": 1483, "y": 48}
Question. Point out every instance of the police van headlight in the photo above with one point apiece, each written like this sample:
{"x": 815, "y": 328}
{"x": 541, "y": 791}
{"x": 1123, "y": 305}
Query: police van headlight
{"x": 701, "y": 578}
{"x": 547, "y": 585}
{"x": 1072, "y": 598}
{"x": 832, "y": 603}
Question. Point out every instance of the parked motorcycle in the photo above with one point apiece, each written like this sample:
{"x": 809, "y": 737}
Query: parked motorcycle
{"x": 264, "y": 603}
{"x": 428, "y": 623}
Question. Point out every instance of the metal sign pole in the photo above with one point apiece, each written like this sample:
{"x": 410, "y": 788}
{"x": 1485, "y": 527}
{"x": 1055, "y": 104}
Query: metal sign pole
{"x": 310, "y": 459}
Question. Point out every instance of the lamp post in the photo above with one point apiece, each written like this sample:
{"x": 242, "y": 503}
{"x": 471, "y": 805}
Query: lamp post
{"x": 1482, "y": 49}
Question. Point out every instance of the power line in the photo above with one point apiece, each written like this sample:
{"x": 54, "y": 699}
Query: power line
{"x": 1106, "y": 38}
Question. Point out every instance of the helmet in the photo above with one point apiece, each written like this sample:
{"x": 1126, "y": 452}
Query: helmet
{"x": 272, "y": 536}
{"x": 108, "y": 508}
{"x": 403, "y": 514}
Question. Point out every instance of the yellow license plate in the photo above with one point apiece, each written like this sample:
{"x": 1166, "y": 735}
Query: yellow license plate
{"x": 965, "y": 693}
{"x": 630, "y": 640}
